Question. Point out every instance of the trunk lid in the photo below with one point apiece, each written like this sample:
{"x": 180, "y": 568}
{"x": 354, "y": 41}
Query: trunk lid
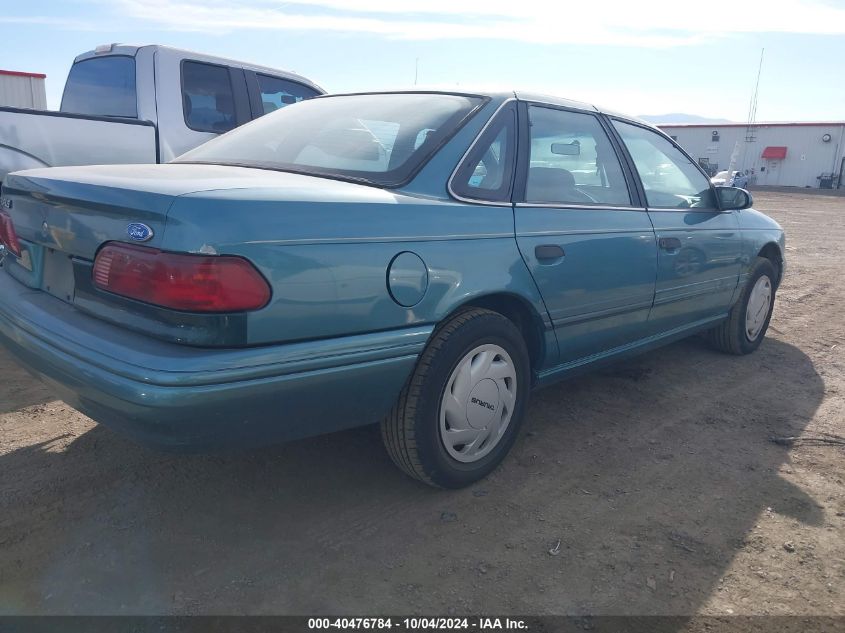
{"x": 76, "y": 209}
{"x": 63, "y": 216}
{"x": 66, "y": 213}
{"x": 59, "y": 218}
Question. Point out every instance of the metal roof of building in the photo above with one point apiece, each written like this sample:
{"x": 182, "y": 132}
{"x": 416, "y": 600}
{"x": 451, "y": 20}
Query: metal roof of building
{"x": 19, "y": 73}
{"x": 756, "y": 124}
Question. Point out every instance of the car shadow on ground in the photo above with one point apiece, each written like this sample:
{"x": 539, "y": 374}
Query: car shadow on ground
{"x": 630, "y": 492}
{"x": 18, "y": 389}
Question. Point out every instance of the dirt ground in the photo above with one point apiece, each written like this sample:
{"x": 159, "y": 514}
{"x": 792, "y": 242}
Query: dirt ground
{"x": 652, "y": 487}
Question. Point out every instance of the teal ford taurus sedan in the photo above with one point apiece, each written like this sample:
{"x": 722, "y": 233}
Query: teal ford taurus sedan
{"x": 422, "y": 259}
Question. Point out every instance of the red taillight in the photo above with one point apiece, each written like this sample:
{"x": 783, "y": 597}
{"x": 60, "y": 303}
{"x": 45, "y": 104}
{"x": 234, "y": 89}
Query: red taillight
{"x": 8, "y": 236}
{"x": 193, "y": 283}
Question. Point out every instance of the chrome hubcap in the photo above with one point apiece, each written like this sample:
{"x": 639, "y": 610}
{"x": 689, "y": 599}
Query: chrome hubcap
{"x": 478, "y": 403}
{"x": 759, "y": 303}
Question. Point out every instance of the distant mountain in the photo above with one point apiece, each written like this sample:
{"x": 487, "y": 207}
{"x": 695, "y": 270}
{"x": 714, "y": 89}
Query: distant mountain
{"x": 680, "y": 117}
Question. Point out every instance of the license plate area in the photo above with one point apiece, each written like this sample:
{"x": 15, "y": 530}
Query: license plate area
{"x": 57, "y": 278}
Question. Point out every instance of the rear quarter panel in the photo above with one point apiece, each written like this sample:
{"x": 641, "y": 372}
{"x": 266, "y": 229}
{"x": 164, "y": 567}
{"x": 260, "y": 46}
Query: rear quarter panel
{"x": 327, "y": 261}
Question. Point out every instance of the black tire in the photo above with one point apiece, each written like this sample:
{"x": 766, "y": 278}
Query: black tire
{"x": 730, "y": 336}
{"x": 411, "y": 432}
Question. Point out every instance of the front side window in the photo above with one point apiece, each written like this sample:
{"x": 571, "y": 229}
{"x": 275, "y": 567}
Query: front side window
{"x": 572, "y": 161}
{"x": 102, "y": 86}
{"x": 207, "y": 97}
{"x": 487, "y": 171}
{"x": 669, "y": 178}
{"x": 277, "y": 93}
{"x": 381, "y": 139}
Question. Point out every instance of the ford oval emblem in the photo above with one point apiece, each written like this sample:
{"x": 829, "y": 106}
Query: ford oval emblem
{"x": 138, "y": 232}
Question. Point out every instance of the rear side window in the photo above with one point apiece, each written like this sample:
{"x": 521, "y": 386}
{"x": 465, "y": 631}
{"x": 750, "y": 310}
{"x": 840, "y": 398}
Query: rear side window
{"x": 277, "y": 93}
{"x": 487, "y": 171}
{"x": 207, "y": 97}
{"x": 572, "y": 161}
{"x": 669, "y": 178}
{"x": 102, "y": 86}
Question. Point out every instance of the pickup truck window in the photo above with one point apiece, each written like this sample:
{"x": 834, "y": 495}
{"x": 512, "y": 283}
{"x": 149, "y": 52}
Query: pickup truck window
{"x": 102, "y": 86}
{"x": 207, "y": 97}
{"x": 277, "y": 93}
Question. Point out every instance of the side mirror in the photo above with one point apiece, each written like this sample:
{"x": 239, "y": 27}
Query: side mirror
{"x": 734, "y": 198}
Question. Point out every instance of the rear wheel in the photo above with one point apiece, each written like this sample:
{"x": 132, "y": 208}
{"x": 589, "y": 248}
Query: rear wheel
{"x": 748, "y": 320}
{"x": 462, "y": 408}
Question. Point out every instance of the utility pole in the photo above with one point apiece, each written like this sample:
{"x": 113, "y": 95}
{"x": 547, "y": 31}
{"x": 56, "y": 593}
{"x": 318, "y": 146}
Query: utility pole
{"x": 752, "y": 110}
{"x": 416, "y": 70}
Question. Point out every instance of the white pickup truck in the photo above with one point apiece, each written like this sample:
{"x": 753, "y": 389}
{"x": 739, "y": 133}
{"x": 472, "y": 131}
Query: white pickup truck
{"x": 143, "y": 104}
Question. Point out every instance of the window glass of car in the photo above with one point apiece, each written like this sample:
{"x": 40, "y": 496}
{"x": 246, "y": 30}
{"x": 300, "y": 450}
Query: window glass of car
{"x": 277, "y": 93}
{"x": 372, "y": 138}
{"x": 102, "y": 86}
{"x": 207, "y": 97}
{"x": 572, "y": 160}
{"x": 487, "y": 171}
{"x": 422, "y": 136}
{"x": 669, "y": 178}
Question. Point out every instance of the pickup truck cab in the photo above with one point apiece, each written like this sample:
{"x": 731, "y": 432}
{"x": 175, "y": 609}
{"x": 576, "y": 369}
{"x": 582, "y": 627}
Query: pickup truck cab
{"x": 143, "y": 104}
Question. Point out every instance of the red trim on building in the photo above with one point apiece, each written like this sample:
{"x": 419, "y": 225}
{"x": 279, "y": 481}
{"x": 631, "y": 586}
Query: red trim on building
{"x": 18, "y": 73}
{"x": 774, "y": 152}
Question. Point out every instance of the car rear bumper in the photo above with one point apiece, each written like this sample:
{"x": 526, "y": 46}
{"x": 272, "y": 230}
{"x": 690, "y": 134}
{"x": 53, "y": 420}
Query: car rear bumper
{"x": 195, "y": 398}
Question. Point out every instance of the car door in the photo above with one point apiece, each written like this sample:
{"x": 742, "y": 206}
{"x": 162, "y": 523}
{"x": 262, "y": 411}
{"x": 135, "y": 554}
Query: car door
{"x": 587, "y": 242}
{"x": 698, "y": 245}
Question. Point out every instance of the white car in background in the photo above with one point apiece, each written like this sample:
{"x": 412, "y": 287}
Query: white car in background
{"x": 728, "y": 179}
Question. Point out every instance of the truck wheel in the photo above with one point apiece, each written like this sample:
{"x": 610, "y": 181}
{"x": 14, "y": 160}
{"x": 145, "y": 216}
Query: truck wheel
{"x": 746, "y": 325}
{"x": 462, "y": 408}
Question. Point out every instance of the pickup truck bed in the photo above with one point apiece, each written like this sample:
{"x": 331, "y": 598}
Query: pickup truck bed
{"x": 54, "y": 140}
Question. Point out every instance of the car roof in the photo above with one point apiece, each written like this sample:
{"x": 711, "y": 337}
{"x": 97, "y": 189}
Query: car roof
{"x": 579, "y": 105}
{"x": 503, "y": 95}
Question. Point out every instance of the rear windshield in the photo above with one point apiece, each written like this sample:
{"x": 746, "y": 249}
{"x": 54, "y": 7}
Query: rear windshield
{"x": 380, "y": 139}
{"x": 102, "y": 86}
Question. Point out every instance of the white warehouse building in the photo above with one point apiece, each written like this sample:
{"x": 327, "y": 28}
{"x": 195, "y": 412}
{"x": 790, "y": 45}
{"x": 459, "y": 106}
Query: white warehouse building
{"x": 797, "y": 154}
{"x": 23, "y": 90}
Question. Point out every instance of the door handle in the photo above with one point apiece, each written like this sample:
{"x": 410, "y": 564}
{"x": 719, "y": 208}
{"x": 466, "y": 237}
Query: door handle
{"x": 546, "y": 252}
{"x": 669, "y": 243}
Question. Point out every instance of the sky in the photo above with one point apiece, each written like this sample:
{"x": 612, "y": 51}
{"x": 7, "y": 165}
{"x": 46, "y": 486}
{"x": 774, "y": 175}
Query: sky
{"x": 636, "y": 56}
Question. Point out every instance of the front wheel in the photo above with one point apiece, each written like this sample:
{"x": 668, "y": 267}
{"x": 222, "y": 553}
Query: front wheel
{"x": 748, "y": 320}
{"x": 462, "y": 408}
